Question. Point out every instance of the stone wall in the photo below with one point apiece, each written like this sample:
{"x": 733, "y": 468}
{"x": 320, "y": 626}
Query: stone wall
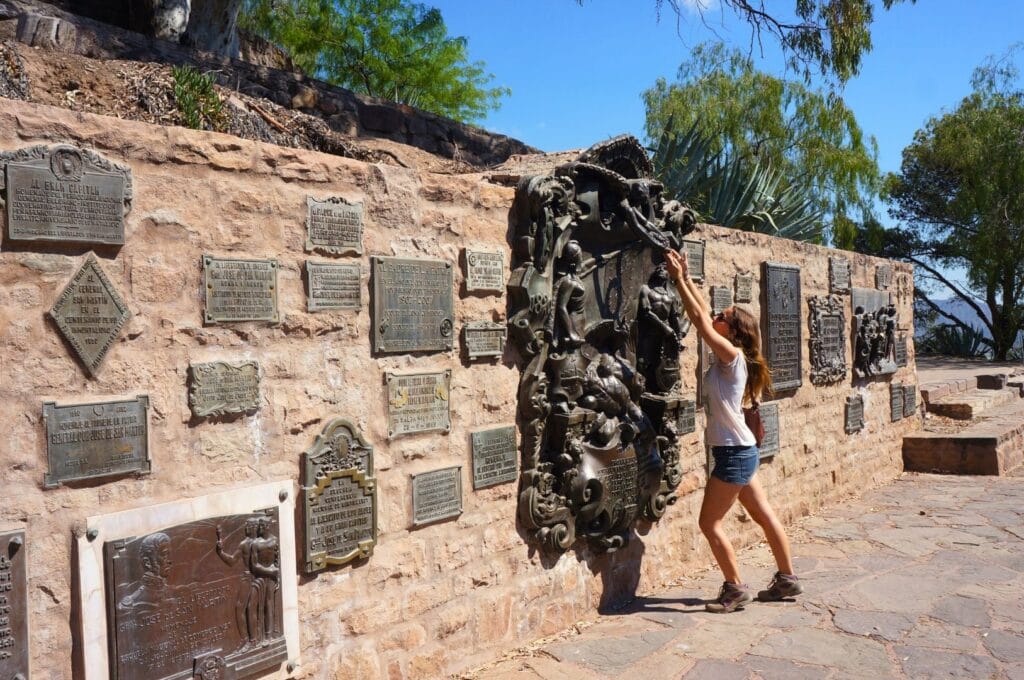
{"x": 433, "y": 600}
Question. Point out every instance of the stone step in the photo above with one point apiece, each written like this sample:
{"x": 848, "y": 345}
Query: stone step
{"x": 972, "y": 403}
{"x": 992, "y": 446}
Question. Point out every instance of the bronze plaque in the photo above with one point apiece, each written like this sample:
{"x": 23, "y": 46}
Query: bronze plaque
{"x": 484, "y": 339}
{"x": 485, "y": 271}
{"x": 896, "y": 394}
{"x": 103, "y": 439}
{"x": 219, "y": 388}
{"x": 721, "y": 298}
{"x": 901, "y": 350}
{"x": 339, "y": 497}
{"x": 868, "y": 299}
{"x": 436, "y": 495}
{"x": 240, "y": 290}
{"x": 883, "y": 276}
{"x": 90, "y": 314}
{"x": 828, "y": 339}
{"x": 694, "y": 251}
{"x": 332, "y": 285}
{"x": 854, "y": 414}
{"x": 838, "y": 275}
{"x": 63, "y": 193}
{"x": 412, "y": 305}
{"x": 418, "y": 402}
{"x": 783, "y": 347}
{"x": 909, "y": 400}
{"x": 195, "y": 598}
{"x": 334, "y": 226}
{"x": 744, "y": 287}
{"x": 494, "y": 456}
{"x": 13, "y": 606}
{"x": 770, "y": 418}
{"x": 687, "y": 421}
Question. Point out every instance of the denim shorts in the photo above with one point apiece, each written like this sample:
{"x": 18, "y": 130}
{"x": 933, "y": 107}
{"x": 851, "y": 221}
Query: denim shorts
{"x": 735, "y": 464}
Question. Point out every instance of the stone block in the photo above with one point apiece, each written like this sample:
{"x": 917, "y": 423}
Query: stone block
{"x": 378, "y": 118}
{"x": 993, "y": 381}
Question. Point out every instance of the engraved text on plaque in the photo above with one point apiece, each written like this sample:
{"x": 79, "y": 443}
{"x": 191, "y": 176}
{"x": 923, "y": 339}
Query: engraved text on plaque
{"x": 744, "y": 287}
{"x": 854, "y": 414}
{"x": 484, "y": 339}
{"x": 828, "y": 339}
{"x": 219, "y": 388}
{"x": 909, "y": 400}
{"x": 783, "y": 346}
{"x": 838, "y": 275}
{"x": 240, "y": 290}
{"x": 896, "y": 393}
{"x": 333, "y": 286}
{"x": 334, "y": 226}
{"x": 13, "y": 606}
{"x": 418, "y": 402}
{"x": 412, "y": 305}
{"x": 494, "y": 456}
{"x": 721, "y": 298}
{"x": 436, "y": 495}
{"x": 687, "y": 421}
{"x": 694, "y": 251}
{"x": 485, "y": 271}
{"x": 770, "y": 418}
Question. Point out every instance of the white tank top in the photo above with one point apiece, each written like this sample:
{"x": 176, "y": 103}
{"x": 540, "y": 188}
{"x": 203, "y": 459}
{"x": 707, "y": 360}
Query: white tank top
{"x": 725, "y": 384}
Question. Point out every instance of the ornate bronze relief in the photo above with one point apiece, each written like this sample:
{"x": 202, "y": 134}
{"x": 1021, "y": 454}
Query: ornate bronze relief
{"x": 874, "y": 333}
{"x": 828, "y": 339}
{"x": 599, "y": 330}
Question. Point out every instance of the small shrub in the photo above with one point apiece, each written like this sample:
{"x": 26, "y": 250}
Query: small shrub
{"x": 198, "y": 102}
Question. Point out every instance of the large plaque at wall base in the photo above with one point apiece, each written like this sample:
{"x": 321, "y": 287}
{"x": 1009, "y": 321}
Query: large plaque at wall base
{"x": 412, "y": 305}
{"x": 694, "y": 251}
{"x": 721, "y": 298}
{"x": 828, "y": 339}
{"x": 838, "y": 275}
{"x": 896, "y": 394}
{"x": 770, "y": 418}
{"x": 494, "y": 456}
{"x": 418, "y": 402}
{"x": 331, "y": 285}
{"x": 200, "y": 595}
{"x": 102, "y": 439}
{"x": 240, "y": 290}
{"x": 909, "y": 400}
{"x": 485, "y": 271}
{"x": 13, "y": 606}
{"x": 436, "y": 495}
{"x": 484, "y": 339}
{"x": 783, "y": 346}
{"x": 63, "y": 193}
{"x": 339, "y": 497}
{"x": 218, "y": 388}
{"x": 334, "y": 226}
{"x": 854, "y": 420}
{"x": 744, "y": 284}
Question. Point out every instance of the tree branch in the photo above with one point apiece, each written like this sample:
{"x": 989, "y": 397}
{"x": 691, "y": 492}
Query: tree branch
{"x": 956, "y": 291}
{"x": 957, "y": 322}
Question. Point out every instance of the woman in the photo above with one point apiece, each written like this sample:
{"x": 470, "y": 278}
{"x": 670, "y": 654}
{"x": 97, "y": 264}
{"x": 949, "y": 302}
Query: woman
{"x": 738, "y": 374}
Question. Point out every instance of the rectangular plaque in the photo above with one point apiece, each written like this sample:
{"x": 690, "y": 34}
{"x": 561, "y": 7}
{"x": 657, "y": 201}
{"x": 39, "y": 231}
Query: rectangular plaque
{"x": 436, "y": 495}
{"x": 13, "y": 605}
{"x": 744, "y": 287}
{"x": 485, "y": 270}
{"x": 770, "y": 418}
{"x": 240, "y": 290}
{"x": 838, "y": 275}
{"x": 334, "y": 226}
{"x": 783, "y": 345}
{"x": 901, "y": 350}
{"x": 868, "y": 299}
{"x": 721, "y": 298}
{"x": 883, "y": 276}
{"x": 412, "y": 305}
{"x": 687, "y": 421}
{"x": 494, "y": 456}
{"x": 64, "y": 193}
{"x": 418, "y": 402}
{"x": 332, "y": 286}
{"x": 909, "y": 400}
{"x": 484, "y": 339}
{"x": 219, "y": 388}
{"x": 896, "y": 401}
{"x": 827, "y": 327}
{"x": 101, "y": 439}
{"x": 695, "y": 258}
{"x": 854, "y": 421}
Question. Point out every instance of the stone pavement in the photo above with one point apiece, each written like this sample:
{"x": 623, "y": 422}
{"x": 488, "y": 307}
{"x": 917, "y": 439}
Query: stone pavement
{"x": 922, "y": 578}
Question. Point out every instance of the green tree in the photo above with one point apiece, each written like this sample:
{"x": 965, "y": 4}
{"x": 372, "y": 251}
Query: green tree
{"x": 959, "y": 202}
{"x": 393, "y": 49}
{"x": 809, "y": 137}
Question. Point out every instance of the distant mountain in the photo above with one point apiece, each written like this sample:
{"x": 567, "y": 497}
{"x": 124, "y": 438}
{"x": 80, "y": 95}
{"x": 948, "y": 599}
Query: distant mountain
{"x": 960, "y": 310}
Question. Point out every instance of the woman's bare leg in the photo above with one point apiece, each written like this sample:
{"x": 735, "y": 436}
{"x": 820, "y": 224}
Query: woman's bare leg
{"x": 718, "y": 498}
{"x": 753, "y": 499}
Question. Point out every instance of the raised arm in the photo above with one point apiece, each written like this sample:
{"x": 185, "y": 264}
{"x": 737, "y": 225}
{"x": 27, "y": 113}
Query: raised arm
{"x": 697, "y": 309}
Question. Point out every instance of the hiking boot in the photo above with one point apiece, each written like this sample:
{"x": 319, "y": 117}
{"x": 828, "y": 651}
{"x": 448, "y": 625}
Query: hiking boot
{"x": 731, "y": 597}
{"x": 781, "y": 587}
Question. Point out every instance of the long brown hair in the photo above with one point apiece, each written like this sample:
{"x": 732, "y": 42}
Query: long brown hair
{"x": 748, "y": 337}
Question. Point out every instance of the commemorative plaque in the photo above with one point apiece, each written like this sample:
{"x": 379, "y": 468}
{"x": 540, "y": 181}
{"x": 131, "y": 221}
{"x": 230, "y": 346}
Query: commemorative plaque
{"x": 783, "y": 350}
{"x": 874, "y": 333}
{"x": 838, "y": 275}
{"x": 63, "y": 193}
{"x": 909, "y": 400}
{"x": 436, "y": 495}
{"x": 334, "y": 226}
{"x": 332, "y": 286}
{"x": 412, "y": 305}
{"x": 418, "y": 402}
{"x": 694, "y": 251}
{"x": 339, "y": 495}
{"x": 240, "y": 290}
{"x": 901, "y": 350}
{"x": 896, "y": 393}
{"x": 854, "y": 421}
{"x": 193, "y": 599}
{"x": 102, "y": 439}
{"x": 484, "y": 339}
{"x": 828, "y": 340}
{"x": 770, "y": 418}
{"x": 13, "y": 606}
{"x": 869, "y": 299}
{"x": 219, "y": 388}
{"x": 687, "y": 421}
{"x": 494, "y": 456}
{"x": 90, "y": 314}
{"x": 721, "y": 298}
{"x": 485, "y": 271}
{"x": 883, "y": 276}
{"x": 744, "y": 287}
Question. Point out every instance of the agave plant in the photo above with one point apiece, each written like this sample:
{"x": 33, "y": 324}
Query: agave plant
{"x": 732, "y": 191}
{"x": 954, "y": 341}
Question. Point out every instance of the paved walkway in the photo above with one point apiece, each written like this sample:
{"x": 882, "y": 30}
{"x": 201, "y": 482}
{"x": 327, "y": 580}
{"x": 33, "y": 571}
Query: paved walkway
{"x": 923, "y": 578}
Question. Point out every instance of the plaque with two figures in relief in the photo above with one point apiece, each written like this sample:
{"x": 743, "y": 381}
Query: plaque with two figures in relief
{"x": 14, "y": 657}
{"x": 494, "y": 456}
{"x": 485, "y": 271}
{"x": 218, "y": 388}
{"x": 744, "y": 283}
{"x": 334, "y": 226}
{"x": 240, "y": 290}
{"x": 66, "y": 194}
{"x": 838, "y": 275}
{"x": 412, "y": 305}
{"x": 331, "y": 286}
{"x": 721, "y": 298}
{"x": 854, "y": 421}
{"x": 436, "y": 495}
{"x": 484, "y": 339}
{"x": 418, "y": 402}
{"x": 782, "y": 342}
{"x": 770, "y": 418}
{"x": 102, "y": 439}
